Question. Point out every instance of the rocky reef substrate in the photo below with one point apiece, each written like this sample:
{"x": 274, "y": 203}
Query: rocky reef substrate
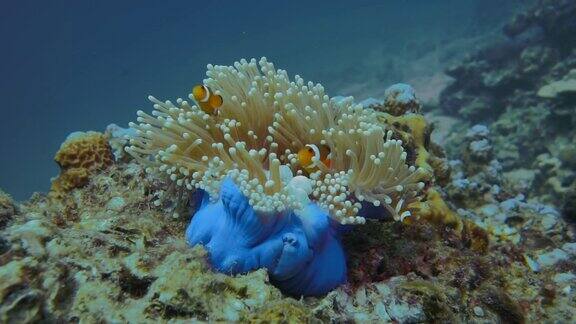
{"x": 524, "y": 90}
{"x": 495, "y": 243}
{"x": 112, "y": 251}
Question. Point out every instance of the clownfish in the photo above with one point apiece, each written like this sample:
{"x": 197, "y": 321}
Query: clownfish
{"x": 208, "y": 101}
{"x": 311, "y": 155}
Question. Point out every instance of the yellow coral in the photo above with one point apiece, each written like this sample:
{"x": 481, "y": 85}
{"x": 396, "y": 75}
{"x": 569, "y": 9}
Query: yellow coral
{"x": 434, "y": 209}
{"x": 80, "y": 156}
{"x": 412, "y": 128}
{"x": 264, "y": 120}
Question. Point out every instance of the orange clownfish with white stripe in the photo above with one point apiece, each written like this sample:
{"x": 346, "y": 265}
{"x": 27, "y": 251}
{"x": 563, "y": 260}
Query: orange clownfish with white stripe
{"x": 207, "y": 100}
{"x": 311, "y": 155}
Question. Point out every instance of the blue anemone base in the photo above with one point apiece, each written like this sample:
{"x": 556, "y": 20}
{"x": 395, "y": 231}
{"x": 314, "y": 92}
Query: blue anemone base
{"x": 302, "y": 252}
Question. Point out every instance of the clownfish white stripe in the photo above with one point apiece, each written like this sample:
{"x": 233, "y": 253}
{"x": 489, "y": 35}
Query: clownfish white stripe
{"x": 207, "y": 94}
{"x": 316, "y": 154}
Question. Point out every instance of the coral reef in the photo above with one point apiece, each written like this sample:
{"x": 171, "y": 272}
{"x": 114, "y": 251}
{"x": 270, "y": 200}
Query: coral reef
{"x": 110, "y": 253}
{"x": 129, "y": 261}
{"x": 400, "y": 99}
{"x": 522, "y": 89}
{"x": 479, "y": 233}
{"x": 79, "y": 157}
{"x": 253, "y": 140}
{"x": 491, "y": 198}
{"x": 565, "y": 86}
{"x": 7, "y": 209}
{"x": 401, "y": 111}
{"x": 119, "y": 138}
{"x": 123, "y": 262}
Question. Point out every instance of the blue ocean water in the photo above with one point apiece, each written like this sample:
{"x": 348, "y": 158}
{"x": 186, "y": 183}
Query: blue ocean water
{"x": 80, "y": 65}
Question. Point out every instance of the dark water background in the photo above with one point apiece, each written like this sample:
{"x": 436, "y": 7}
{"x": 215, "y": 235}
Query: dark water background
{"x": 80, "y": 65}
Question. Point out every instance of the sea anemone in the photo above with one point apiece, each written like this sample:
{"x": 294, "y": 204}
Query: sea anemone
{"x": 255, "y": 136}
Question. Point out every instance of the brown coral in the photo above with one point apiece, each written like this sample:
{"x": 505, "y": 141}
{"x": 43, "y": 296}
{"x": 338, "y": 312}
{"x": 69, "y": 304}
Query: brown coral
{"x": 79, "y": 157}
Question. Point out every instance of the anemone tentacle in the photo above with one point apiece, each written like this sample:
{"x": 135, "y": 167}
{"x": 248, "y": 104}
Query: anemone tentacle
{"x": 264, "y": 120}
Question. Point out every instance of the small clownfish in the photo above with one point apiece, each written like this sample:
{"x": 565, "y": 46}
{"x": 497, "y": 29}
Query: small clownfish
{"x": 310, "y": 151}
{"x": 208, "y": 101}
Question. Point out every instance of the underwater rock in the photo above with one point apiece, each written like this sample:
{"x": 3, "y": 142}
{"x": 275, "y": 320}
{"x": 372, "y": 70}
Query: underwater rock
{"x": 480, "y": 149}
{"x": 477, "y": 153}
{"x": 118, "y": 248}
{"x": 369, "y": 102}
{"x": 570, "y": 247}
{"x": 536, "y": 49}
{"x": 550, "y": 258}
{"x": 495, "y": 200}
{"x": 478, "y": 132}
{"x": 414, "y": 132}
{"x": 522, "y": 89}
{"x": 366, "y": 103}
{"x": 302, "y": 253}
{"x": 375, "y": 302}
{"x": 133, "y": 262}
{"x": 119, "y": 138}
{"x": 502, "y": 304}
{"x": 67, "y": 261}
{"x": 551, "y": 177}
{"x": 569, "y": 205}
{"x": 20, "y": 302}
{"x": 554, "y": 17}
{"x": 400, "y": 99}
{"x": 521, "y": 180}
{"x": 566, "y": 85}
